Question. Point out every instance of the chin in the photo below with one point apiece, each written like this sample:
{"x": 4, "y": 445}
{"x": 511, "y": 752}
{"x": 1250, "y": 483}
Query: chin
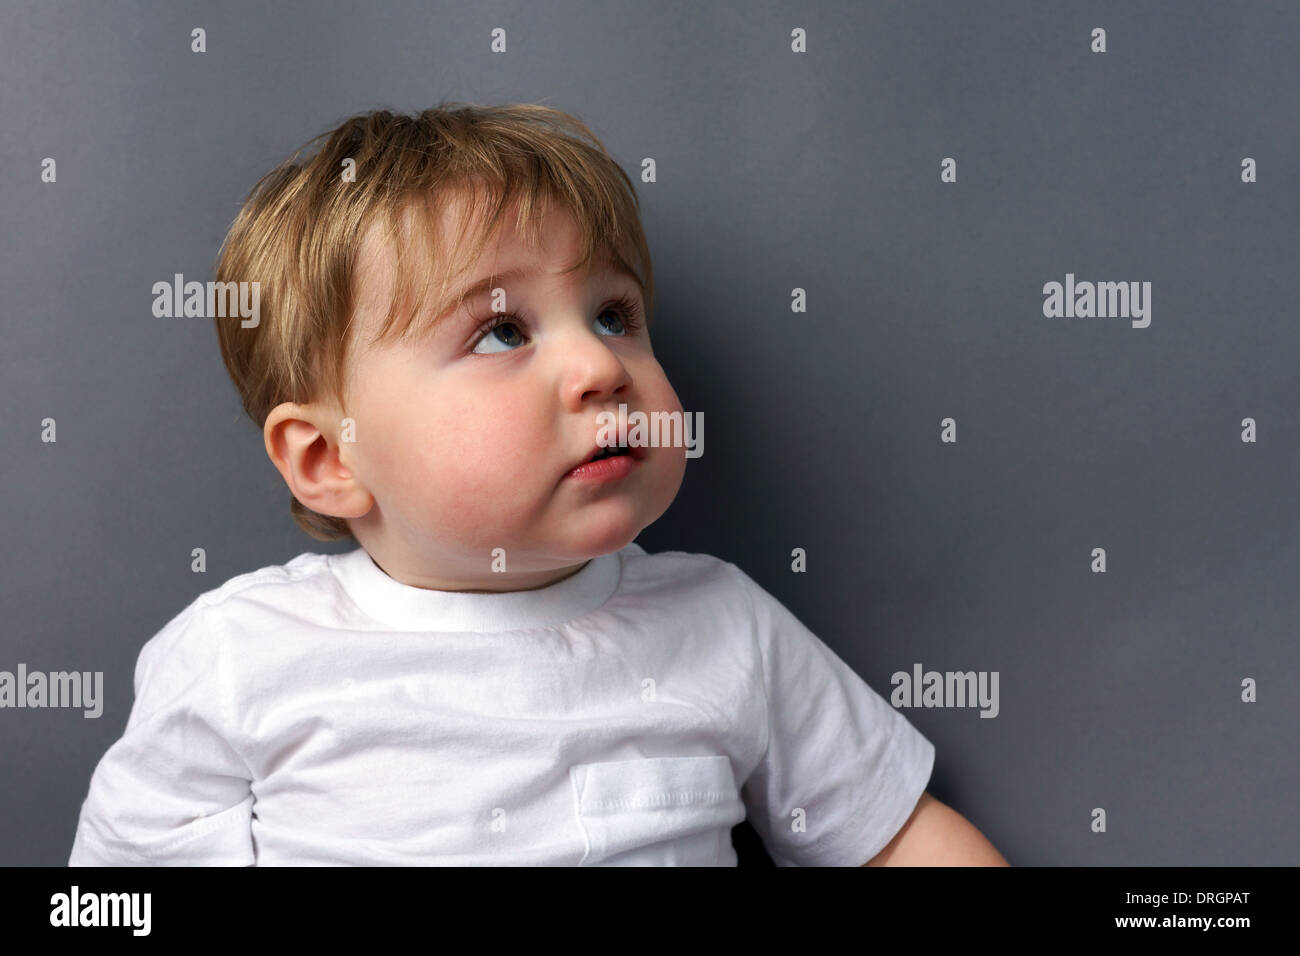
{"x": 610, "y": 544}
{"x": 612, "y": 536}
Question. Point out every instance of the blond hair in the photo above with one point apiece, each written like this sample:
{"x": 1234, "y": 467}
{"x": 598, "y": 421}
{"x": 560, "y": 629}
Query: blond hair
{"x": 300, "y": 229}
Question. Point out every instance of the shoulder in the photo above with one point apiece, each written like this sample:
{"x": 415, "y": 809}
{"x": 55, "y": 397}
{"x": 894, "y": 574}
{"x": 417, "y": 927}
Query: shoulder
{"x": 198, "y": 634}
{"x": 688, "y": 566}
{"x": 270, "y": 582}
{"x": 687, "y": 580}
{"x": 678, "y": 568}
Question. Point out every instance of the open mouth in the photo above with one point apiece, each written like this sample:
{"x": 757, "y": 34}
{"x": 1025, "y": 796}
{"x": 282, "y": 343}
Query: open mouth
{"x": 633, "y": 453}
{"x": 612, "y": 452}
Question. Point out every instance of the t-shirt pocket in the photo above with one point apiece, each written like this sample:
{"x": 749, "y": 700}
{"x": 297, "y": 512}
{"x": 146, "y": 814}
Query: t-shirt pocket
{"x": 657, "y": 811}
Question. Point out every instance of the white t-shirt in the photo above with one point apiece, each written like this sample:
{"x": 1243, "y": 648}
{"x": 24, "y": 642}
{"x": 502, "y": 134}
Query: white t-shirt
{"x": 322, "y": 713}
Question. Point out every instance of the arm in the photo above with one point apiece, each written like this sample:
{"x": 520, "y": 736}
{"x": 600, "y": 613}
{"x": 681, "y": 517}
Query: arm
{"x": 172, "y": 790}
{"x": 937, "y": 835}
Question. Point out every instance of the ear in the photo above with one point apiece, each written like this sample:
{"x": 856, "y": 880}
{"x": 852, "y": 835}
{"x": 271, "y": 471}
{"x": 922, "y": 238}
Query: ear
{"x": 302, "y": 442}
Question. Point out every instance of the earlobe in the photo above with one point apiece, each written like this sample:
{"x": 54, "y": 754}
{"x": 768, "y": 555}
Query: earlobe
{"x": 306, "y": 452}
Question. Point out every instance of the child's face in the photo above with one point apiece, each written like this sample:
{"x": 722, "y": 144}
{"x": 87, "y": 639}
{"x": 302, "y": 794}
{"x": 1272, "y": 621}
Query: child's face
{"x": 465, "y": 440}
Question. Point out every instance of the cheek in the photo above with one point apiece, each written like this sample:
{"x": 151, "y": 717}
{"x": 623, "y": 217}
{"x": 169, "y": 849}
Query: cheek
{"x": 480, "y": 454}
{"x": 672, "y": 464}
{"x": 662, "y": 395}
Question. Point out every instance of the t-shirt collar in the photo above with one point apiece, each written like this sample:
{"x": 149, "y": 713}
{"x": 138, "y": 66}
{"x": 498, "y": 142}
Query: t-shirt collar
{"x": 408, "y": 608}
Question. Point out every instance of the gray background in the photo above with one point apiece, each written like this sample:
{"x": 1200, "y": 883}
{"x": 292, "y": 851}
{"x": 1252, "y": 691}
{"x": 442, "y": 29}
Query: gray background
{"x": 820, "y": 171}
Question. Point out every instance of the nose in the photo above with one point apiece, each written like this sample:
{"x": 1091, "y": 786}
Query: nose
{"x": 592, "y": 370}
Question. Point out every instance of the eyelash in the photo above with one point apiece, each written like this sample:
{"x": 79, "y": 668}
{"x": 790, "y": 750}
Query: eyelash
{"x": 628, "y": 307}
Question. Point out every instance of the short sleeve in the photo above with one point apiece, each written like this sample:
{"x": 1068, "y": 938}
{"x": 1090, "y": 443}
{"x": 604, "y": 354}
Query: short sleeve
{"x": 836, "y": 750}
{"x": 171, "y": 790}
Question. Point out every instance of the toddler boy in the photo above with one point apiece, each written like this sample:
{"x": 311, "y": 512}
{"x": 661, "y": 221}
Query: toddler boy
{"x": 454, "y": 306}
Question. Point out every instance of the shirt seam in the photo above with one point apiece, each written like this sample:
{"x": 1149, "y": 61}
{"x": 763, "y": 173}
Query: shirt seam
{"x": 342, "y": 587}
{"x": 762, "y": 665}
{"x": 225, "y": 695}
{"x": 201, "y": 827}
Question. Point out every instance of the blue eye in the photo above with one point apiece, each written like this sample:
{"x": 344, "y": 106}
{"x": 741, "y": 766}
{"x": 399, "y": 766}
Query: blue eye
{"x": 504, "y": 329}
{"x": 503, "y": 321}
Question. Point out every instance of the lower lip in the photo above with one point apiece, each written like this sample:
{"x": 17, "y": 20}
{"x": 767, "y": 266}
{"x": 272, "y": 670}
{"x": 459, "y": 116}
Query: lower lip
{"x": 607, "y": 469}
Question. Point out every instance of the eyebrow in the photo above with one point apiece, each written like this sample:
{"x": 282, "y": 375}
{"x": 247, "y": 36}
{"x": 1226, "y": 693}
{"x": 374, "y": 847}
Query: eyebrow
{"x": 489, "y": 282}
